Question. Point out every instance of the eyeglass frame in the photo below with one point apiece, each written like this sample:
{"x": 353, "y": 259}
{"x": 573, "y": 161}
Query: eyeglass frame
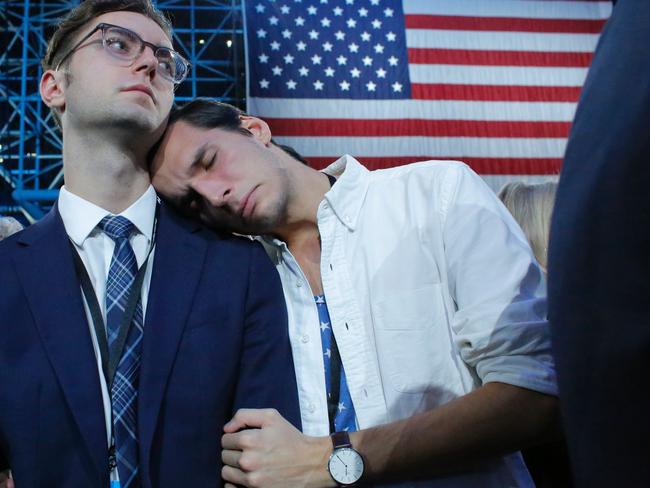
{"x": 103, "y": 25}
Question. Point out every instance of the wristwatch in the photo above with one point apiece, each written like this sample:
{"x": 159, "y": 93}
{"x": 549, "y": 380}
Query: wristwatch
{"x": 346, "y": 464}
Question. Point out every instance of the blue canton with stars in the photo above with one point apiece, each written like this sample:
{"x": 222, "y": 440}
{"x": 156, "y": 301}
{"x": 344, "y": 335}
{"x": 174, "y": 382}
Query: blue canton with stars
{"x": 345, "y": 416}
{"x": 352, "y": 49}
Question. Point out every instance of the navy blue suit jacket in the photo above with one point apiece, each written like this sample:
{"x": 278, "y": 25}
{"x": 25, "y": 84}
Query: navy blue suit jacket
{"x": 599, "y": 262}
{"x": 215, "y": 340}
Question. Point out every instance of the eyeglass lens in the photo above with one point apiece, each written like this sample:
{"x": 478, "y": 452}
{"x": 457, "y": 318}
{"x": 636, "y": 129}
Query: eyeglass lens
{"x": 126, "y": 45}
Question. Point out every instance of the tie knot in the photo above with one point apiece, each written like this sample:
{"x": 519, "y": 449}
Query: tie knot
{"x": 116, "y": 226}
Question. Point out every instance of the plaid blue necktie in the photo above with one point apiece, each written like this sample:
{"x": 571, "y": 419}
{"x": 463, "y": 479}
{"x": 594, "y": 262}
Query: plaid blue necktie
{"x": 124, "y": 391}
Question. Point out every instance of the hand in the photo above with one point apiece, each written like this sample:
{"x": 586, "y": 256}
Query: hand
{"x": 271, "y": 452}
{"x": 5, "y": 480}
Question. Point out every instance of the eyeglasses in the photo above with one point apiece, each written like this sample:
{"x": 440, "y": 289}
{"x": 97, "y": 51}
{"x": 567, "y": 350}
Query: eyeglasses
{"x": 125, "y": 45}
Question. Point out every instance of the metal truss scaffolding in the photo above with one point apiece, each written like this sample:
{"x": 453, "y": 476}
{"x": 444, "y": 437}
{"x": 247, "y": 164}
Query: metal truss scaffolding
{"x": 207, "y": 32}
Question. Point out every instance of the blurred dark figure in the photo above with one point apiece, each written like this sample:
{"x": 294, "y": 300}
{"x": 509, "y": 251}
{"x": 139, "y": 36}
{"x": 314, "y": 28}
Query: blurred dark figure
{"x": 599, "y": 262}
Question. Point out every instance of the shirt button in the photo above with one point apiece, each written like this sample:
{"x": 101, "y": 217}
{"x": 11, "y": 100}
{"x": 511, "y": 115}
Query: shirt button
{"x": 299, "y": 284}
{"x": 304, "y": 338}
{"x": 311, "y": 407}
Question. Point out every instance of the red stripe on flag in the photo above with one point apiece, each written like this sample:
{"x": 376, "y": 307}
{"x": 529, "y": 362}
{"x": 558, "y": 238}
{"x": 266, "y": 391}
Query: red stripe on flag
{"x": 415, "y": 127}
{"x": 499, "y": 58}
{"x": 507, "y": 24}
{"x": 493, "y": 93}
{"x": 485, "y": 166}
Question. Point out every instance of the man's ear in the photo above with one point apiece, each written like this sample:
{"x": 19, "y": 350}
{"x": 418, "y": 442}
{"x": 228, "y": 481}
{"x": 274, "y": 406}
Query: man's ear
{"x": 52, "y": 89}
{"x": 257, "y": 127}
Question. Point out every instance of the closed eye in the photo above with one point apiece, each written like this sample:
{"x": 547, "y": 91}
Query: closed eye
{"x": 210, "y": 162}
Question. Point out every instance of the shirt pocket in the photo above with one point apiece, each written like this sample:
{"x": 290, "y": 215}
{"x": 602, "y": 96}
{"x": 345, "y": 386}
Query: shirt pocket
{"x": 414, "y": 309}
{"x": 413, "y": 341}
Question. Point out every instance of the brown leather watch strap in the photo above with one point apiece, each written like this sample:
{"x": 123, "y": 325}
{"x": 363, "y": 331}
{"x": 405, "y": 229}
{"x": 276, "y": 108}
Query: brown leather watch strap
{"x": 341, "y": 439}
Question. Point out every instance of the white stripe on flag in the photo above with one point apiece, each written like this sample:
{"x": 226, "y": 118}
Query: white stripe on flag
{"x": 511, "y": 8}
{"x": 484, "y": 147}
{"x": 497, "y": 75}
{"x": 411, "y": 109}
{"x": 501, "y": 41}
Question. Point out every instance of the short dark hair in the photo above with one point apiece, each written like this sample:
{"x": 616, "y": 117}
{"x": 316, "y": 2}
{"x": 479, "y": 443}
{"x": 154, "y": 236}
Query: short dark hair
{"x": 206, "y": 113}
{"x": 65, "y": 35}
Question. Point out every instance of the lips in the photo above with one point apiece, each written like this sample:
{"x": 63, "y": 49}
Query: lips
{"x": 141, "y": 88}
{"x": 247, "y": 205}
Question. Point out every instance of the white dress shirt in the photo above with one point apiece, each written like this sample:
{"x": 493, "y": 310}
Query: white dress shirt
{"x": 432, "y": 291}
{"x": 80, "y": 218}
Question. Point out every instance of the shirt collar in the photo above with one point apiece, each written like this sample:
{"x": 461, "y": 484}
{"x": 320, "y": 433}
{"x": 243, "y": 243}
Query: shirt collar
{"x": 346, "y": 197}
{"x": 80, "y": 217}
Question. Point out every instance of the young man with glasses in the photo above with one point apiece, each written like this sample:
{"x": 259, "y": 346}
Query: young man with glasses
{"x": 128, "y": 335}
{"x": 414, "y": 301}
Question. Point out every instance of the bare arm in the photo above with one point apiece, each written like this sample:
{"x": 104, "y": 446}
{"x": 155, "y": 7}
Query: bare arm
{"x": 495, "y": 419}
{"x": 491, "y": 421}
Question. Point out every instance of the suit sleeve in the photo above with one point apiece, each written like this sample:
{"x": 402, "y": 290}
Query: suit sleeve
{"x": 267, "y": 378}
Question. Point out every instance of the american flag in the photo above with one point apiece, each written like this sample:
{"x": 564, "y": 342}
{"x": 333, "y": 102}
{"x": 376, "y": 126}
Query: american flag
{"x": 493, "y": 83}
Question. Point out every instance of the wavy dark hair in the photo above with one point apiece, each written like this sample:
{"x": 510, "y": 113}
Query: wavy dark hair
{"x": 206, "y": 113}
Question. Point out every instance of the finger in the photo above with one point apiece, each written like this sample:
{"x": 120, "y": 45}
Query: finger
{"x": 233, "y": 475}
{"x": 229, "y": 485}
{"x": 251, "y": 417}
{"x": 230, "y": 457}
{"x": 240, "y": 441}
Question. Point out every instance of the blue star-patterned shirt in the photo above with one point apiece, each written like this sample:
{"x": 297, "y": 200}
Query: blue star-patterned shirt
{"x": 344, "y": 418}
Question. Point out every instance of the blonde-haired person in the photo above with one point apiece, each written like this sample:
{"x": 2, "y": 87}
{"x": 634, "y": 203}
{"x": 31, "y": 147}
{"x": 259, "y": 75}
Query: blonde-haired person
{"x": 532, "y": 205}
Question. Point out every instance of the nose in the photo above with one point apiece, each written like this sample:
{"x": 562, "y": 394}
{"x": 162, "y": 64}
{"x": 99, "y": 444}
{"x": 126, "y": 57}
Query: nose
{"x": 146, "y": 62}
{"x": 214, "y": 192}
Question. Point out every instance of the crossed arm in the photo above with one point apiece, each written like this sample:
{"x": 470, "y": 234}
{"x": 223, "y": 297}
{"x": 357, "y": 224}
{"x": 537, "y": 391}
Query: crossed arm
{"x": 493, "y": 420}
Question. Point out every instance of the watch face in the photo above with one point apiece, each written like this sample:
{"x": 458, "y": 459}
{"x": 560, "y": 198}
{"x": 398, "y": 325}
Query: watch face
{"x": 346, "y": 466}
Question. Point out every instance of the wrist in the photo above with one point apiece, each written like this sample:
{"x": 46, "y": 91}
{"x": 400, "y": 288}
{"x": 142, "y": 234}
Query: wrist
{"x": 320, "y": 450}
{"x": 346, "y": 465}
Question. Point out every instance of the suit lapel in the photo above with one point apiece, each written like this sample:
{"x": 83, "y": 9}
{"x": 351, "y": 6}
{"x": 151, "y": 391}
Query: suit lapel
{"x": 178, "y": 261}
{"x": 46, "y": 271}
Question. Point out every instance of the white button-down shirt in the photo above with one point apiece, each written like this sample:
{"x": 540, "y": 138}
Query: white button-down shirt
{"x": 80, "y": 219}
{"x": 432, "y": 290}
